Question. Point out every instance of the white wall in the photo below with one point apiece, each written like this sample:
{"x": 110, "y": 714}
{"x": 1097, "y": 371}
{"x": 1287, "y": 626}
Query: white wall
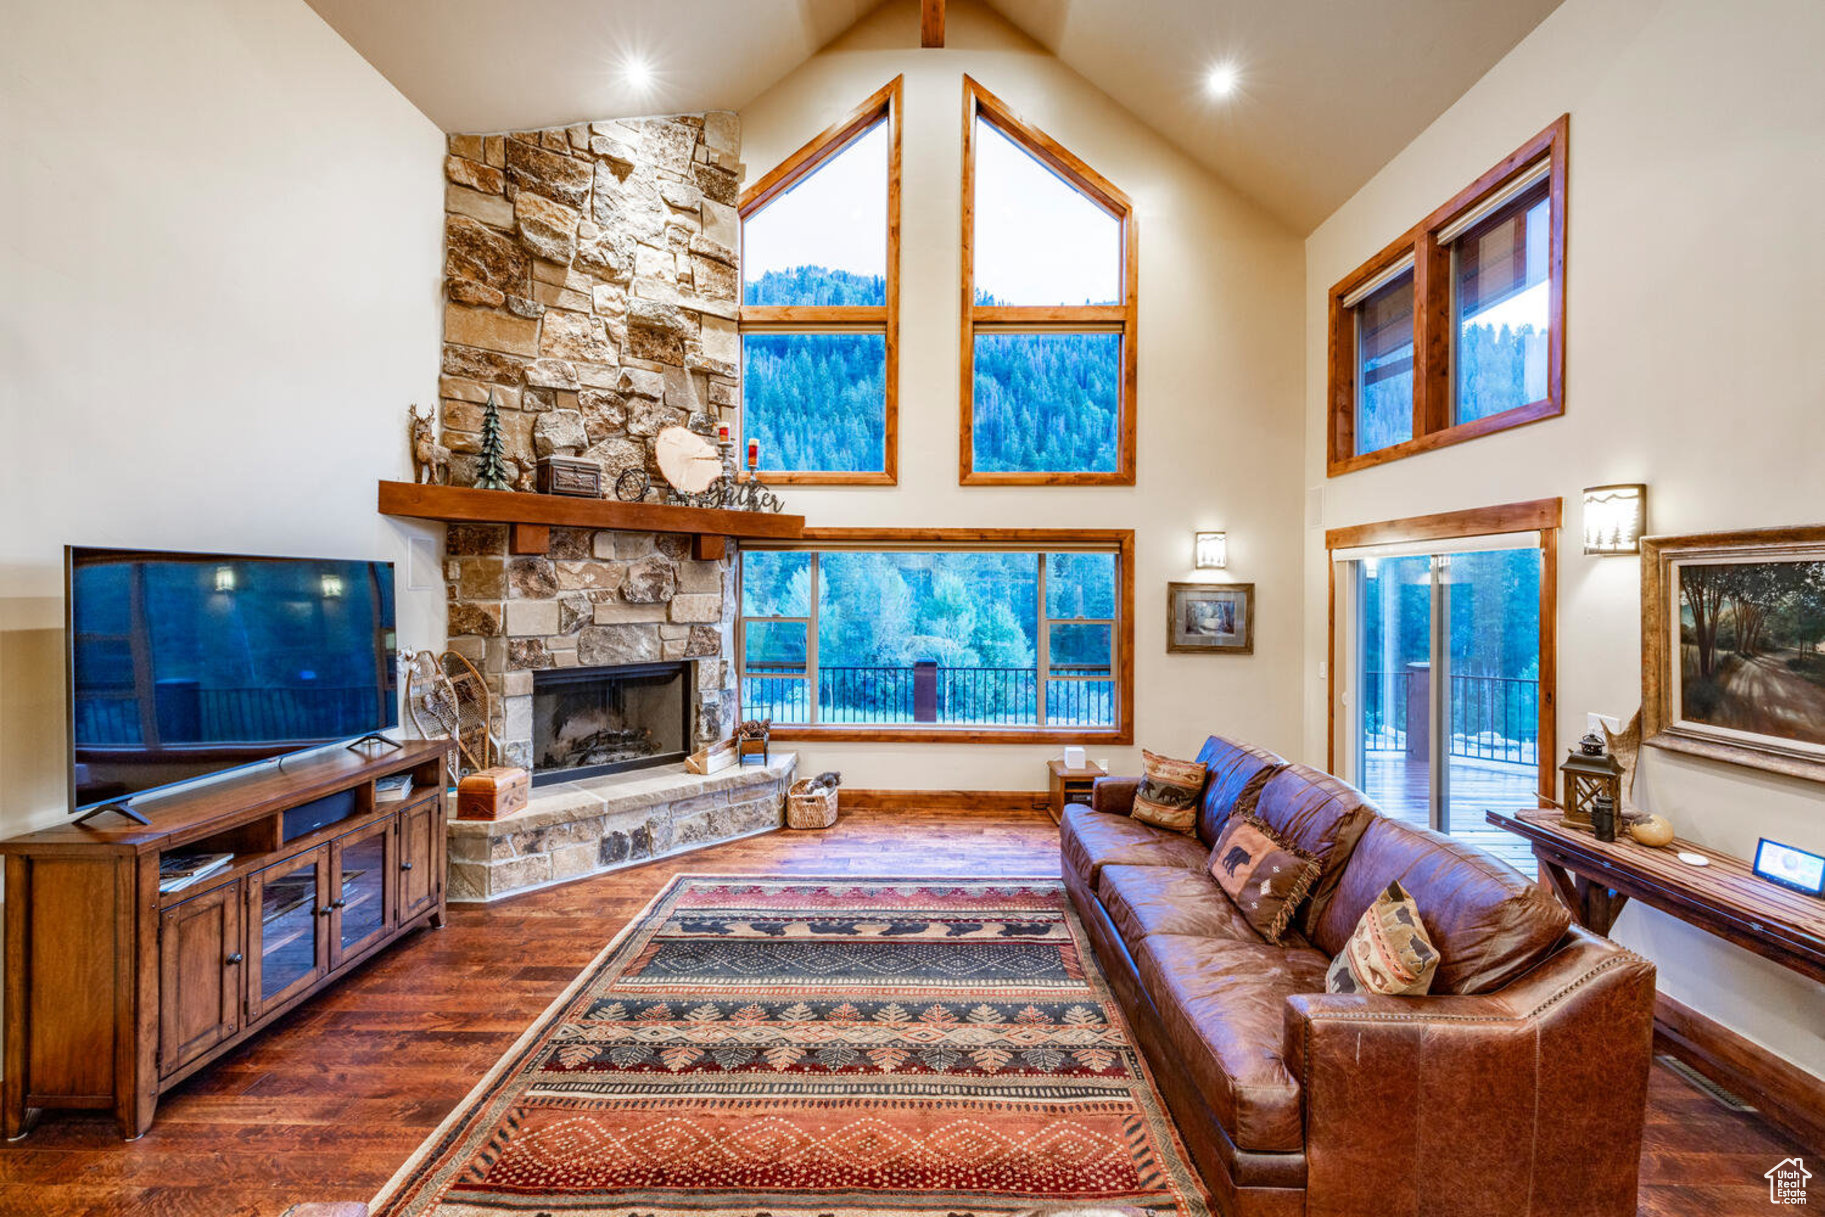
{"x": 1218, "y": 393}
{"x": 221, "y": 236}
{"x": 1695, "y": 289}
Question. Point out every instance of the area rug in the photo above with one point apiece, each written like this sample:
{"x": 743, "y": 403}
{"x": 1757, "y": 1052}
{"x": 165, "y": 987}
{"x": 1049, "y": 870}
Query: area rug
{"x": 799, "y": 1047}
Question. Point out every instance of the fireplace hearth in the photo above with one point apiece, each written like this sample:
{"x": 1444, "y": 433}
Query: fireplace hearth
{"x": 588, "y": 721}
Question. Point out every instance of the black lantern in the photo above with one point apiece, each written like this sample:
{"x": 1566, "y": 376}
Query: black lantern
{"x": 1603, "y": 817}
{"x": 1588, "y": 773}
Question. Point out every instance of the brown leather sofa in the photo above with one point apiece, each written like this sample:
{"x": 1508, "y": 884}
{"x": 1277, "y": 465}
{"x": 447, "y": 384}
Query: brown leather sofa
{"x": 1516, "y": 1086}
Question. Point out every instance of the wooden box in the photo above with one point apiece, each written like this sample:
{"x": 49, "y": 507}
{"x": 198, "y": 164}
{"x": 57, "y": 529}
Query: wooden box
{"x": 492, "y": 794}
{"x": 575, "y": 476}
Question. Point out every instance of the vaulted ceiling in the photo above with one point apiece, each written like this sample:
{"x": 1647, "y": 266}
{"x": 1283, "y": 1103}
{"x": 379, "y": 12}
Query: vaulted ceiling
{"x": 1329, "y": 90}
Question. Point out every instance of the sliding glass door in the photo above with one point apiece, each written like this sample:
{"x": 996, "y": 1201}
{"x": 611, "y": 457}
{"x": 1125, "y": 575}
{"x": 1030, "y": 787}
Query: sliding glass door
{"x": 1441, "y": 722}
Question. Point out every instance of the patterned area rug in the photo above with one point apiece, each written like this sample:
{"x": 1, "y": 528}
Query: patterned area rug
{"x": 808, "y": 1047}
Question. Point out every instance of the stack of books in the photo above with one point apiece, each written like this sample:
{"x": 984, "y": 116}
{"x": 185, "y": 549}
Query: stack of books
{"x": 393, "y": 789}
{"x": 178, "y": 871}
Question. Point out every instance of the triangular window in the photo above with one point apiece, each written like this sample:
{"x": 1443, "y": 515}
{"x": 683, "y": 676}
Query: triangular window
{"x": 819, "y": 317}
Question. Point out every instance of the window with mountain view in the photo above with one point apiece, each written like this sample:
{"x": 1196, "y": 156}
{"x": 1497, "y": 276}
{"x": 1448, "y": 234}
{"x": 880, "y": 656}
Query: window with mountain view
{"x": 1502, "y": 299}
{"x": 1456, "y": 330}
{"x": 938, "y": 637}
{"x": 820, "y": 283}
{"x": 1049, "y": 324}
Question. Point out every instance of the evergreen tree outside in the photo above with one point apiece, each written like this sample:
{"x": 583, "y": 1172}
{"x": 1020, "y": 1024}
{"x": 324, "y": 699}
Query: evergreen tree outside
{"x": 817, "y": 402}
{"x": 973, "y": 614}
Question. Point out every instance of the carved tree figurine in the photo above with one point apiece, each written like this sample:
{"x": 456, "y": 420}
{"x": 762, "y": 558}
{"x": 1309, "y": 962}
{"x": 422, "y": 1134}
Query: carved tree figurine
{"x": 430, "y": 459}
{"x": 491, "y": 469}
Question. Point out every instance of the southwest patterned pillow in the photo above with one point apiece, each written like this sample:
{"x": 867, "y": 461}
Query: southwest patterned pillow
{"x": 1262, "y": 873}
{"x": 1168, "y": 794}
{"x": 1388, "y": 953}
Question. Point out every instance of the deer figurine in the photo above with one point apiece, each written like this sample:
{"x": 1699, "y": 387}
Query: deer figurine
{"x": 430, "y": 459}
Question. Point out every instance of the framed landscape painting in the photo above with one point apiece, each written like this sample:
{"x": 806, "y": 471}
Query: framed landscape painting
{"x": 1733, "y": 647}
{"x": 1211, "y": 617}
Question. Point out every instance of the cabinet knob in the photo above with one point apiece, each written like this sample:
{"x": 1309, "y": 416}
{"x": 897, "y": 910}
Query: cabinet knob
{"x": 235, "y": 958}
{"x": 405, "y": 866}
{"x": 336, "y": 904}
{"x": 325, "y": 911}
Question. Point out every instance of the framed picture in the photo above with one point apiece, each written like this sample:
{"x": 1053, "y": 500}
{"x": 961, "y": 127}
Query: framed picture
{"x": 1733, "y": 647}
{"x": 1211, "y": 617}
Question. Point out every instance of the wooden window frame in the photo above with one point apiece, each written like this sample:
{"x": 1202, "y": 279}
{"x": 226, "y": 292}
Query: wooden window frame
{"x": 1433, "y": 321}
{"x": 884, "y": 105}
{"x": 1544, "y": 516}
{"x": 1039, "y": 540}
{"x": 1120, "y": 318}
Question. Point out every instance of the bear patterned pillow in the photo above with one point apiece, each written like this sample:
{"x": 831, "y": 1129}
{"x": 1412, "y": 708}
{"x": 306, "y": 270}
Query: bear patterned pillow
{"x": 1169, "y": 792}
{"x": 1264, "y": 875}
{"x": 1388, "y": 952}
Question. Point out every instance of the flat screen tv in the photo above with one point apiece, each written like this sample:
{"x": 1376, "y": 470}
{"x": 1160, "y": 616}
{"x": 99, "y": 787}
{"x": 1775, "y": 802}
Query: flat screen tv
{"x": 182, "y": 666}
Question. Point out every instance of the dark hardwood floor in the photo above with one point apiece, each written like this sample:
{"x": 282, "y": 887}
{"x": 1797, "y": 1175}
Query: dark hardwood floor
{"x": 330, "y": 1102}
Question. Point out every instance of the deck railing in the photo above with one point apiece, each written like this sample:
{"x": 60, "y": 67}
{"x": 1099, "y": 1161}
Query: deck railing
{"x": 1493, "y": 718}
{"x": 1077, "y": 694}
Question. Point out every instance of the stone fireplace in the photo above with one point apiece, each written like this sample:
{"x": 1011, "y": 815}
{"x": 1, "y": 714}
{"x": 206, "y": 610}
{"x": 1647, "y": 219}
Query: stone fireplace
{"x": 589, "y": 721}
{"x": 592, "y": 283}
{"x": 596, "y": 601}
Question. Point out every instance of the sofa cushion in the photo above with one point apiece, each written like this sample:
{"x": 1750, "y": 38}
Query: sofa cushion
{"x": 1143, "y": 900}
{"x": 1091, "y": 840}
{"x": 1322, "y": 816}
{"x": 1169, "y": 793}
{"x": 1265, "y": 875}
{"x": 1487, "y": 922}
{"x": 1223, "y": 1005}
{"x": 1388, "y": 953}
{"x": 1237, "y": 773}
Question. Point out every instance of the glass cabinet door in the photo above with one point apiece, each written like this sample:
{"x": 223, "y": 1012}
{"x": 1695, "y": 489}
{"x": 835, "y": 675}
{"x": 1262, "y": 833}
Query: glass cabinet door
{"x": 361, "y": 865}
{"x": 288, "y": 940}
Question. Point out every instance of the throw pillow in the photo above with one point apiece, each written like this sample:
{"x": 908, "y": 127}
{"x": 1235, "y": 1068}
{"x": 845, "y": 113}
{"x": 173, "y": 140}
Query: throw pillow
{"x": 1388, "y": 953}
{"x": 1168, "y": 794}
{"x": 1263, "y": 874}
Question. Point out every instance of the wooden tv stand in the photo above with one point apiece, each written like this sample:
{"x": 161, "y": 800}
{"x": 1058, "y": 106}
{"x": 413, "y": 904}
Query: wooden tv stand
{"x": 115, "y": 993}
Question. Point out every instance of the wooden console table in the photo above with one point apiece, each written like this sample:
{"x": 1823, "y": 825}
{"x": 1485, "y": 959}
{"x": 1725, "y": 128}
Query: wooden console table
{"x": 1596, "y": 878}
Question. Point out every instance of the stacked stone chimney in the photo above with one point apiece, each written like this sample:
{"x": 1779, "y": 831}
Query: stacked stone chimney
{"x": 593, "y": 290}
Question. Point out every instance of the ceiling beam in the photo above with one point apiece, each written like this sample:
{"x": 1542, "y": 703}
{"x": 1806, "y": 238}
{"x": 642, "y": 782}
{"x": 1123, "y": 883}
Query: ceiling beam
{"x": 931, "y": 23}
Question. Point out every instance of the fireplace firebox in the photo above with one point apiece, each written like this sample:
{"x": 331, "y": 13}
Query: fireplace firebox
{"x": 602, "y": 720}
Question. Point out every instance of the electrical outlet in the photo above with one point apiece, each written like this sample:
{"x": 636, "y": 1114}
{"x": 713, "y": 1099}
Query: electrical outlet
{"x": 1324, "y": 670}
{"x": 1592, "y": 719}
{"x": 424, "y": 570}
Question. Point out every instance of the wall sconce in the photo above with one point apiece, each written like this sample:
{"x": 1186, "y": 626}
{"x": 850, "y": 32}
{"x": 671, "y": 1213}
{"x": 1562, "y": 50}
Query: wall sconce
{"x": 1615, "y": 517}
{"x": 332, "y": 587}
{"x": 224, "y": 578}
{"x": 1210, "y": 550}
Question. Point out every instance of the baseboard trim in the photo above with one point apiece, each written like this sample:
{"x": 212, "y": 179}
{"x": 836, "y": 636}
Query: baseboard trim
{"x": 1789, "y": 1097}
{"x": 852, "y": 799}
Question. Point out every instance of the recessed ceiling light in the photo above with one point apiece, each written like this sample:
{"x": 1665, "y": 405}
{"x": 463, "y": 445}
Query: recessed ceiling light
{"x": 1222, "y": 78}
{"x": 638, "y": 73}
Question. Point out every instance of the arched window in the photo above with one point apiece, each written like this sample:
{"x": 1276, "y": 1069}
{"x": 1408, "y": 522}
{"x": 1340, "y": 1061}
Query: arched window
{"x": 821, "y": 302}
{"x": 1049, "y": 292}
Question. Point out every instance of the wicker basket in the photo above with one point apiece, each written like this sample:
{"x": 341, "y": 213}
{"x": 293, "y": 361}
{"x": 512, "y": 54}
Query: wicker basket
{"x": 806, "y": 808}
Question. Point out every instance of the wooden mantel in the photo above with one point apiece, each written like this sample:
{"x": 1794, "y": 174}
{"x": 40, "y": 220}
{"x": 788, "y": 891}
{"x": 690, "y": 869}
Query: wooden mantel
{"x": 532, "y": 516}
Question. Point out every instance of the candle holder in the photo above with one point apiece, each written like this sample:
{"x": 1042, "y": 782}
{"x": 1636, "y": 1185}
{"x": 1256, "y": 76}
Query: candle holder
{"x": 731, "y": 492}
